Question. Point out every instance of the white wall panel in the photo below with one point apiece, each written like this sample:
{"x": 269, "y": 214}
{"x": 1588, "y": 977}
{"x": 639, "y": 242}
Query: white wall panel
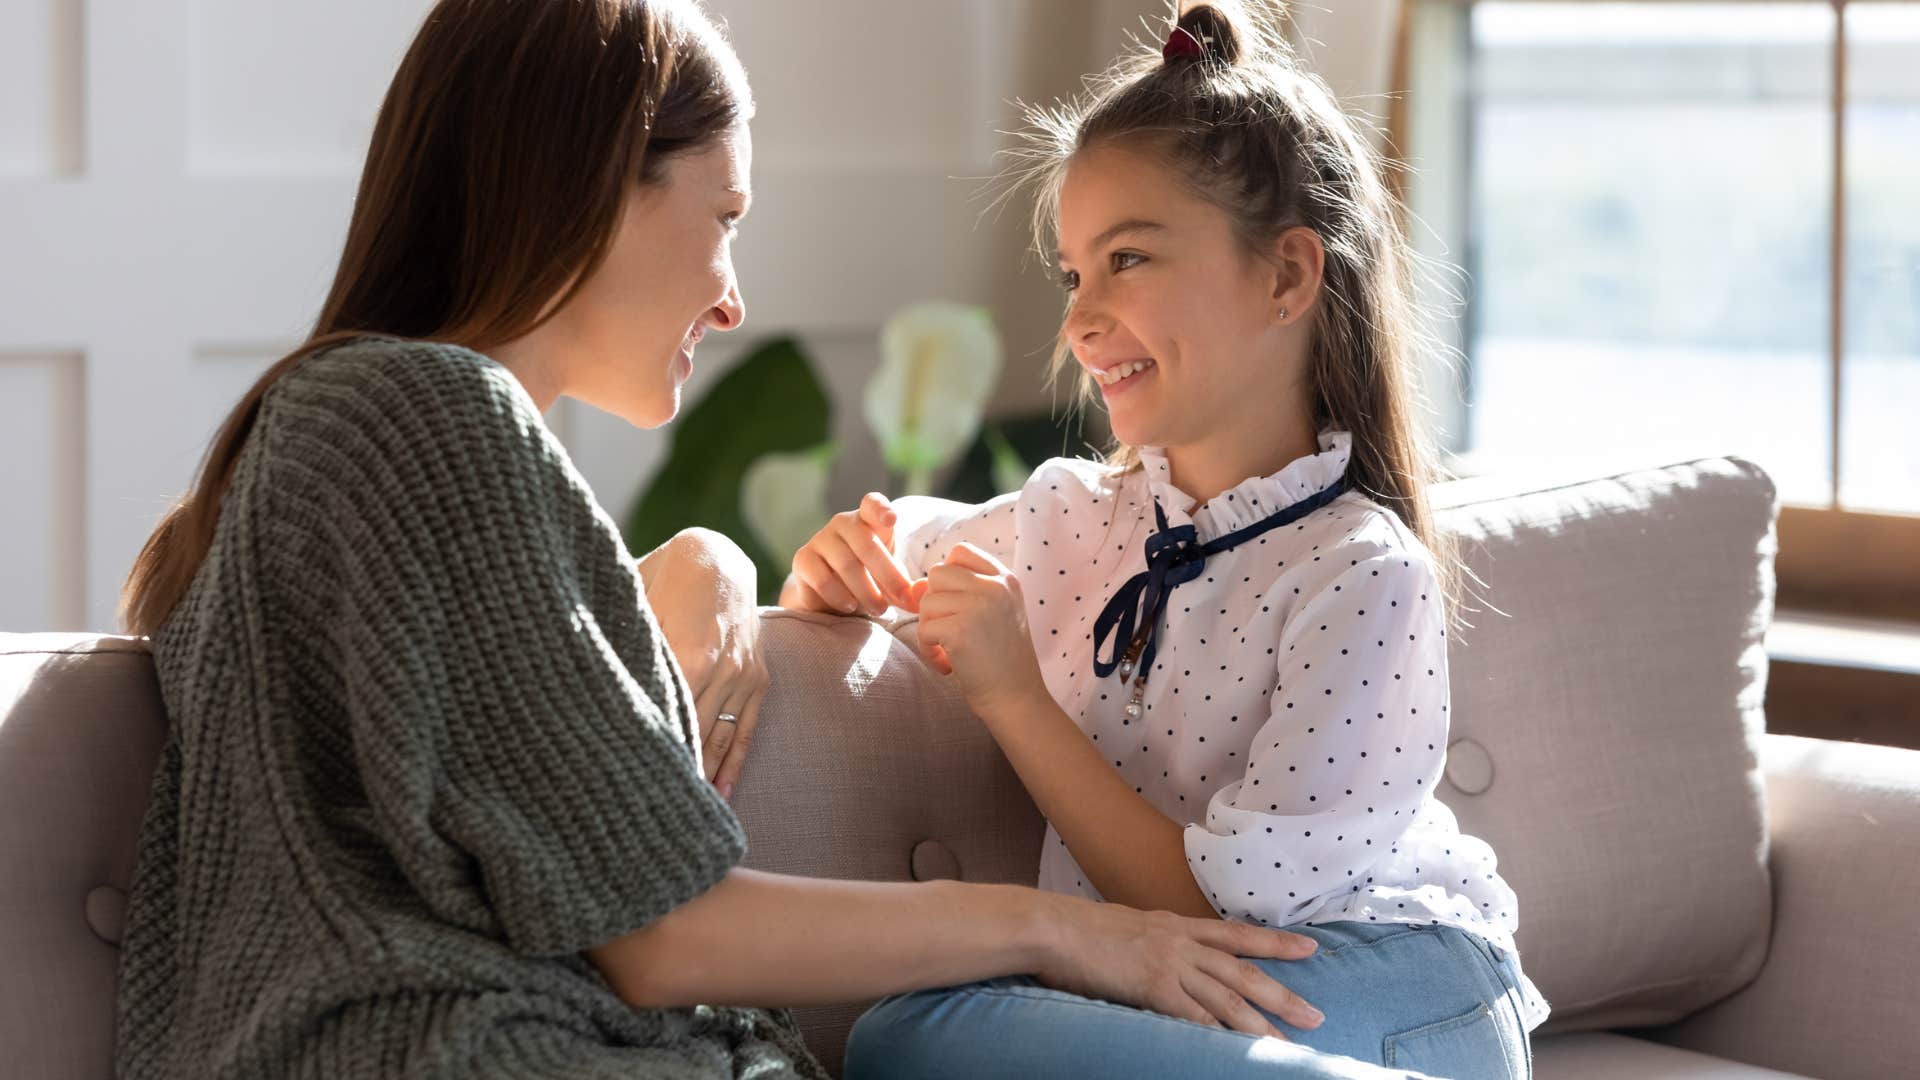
{"x": 863, "y": 87}
{"x": 216, "y": 378}
{"x": 40, "y": 91}
{"x": 291, "y": 87}
{"x": 42, "y": 519}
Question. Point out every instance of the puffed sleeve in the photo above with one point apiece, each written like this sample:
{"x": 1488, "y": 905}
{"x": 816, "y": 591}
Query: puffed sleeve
{"x": 928, "y": 528}
{"x": 1354, "y": 741}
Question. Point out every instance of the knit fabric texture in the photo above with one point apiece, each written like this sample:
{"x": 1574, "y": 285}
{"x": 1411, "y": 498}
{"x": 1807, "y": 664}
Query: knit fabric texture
{"x": 428, "y": 743}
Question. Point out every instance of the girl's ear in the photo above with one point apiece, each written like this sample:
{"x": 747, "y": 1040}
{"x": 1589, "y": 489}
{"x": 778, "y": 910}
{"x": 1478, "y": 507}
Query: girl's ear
{"x": 1299, "y": 262}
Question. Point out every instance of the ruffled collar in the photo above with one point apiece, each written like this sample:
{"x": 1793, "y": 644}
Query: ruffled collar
{"x": 1254, "y": 498}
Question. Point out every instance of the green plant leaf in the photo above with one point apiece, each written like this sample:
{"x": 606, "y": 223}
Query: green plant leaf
{"x": 989, "y": 465}
{"x": 771, "y": 402}
{"x": 1010, "y": 470}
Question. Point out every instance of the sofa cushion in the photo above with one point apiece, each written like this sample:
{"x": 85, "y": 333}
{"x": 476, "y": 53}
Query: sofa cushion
{"x": 904, "y": 763}
{"x": 868, "y": 766}
{"x": 1836, "y": 997}
{"x": 1607, "y": 712}
{"x": 1592, "y": 1055}
{"x": 80, "y": 734}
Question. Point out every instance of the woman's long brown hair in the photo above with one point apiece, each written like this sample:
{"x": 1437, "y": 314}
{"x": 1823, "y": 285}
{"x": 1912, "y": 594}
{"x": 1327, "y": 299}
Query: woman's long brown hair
{"x": 495, "y": 178}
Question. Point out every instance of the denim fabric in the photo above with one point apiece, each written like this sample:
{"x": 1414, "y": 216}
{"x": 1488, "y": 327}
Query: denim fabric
{"x": 1401, "y": 999}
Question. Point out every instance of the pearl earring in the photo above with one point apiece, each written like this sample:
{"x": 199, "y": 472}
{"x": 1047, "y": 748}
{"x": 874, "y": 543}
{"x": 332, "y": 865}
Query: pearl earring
{"x": 1283, "y": 314}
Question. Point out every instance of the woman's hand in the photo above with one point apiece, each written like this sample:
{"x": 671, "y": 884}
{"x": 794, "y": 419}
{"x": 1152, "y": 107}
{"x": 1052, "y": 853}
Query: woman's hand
{"x": 849, "y": 566}
{"x": 1180, "y": 966}
{"x": 703, "y": 590}
{"x": 973, "y": 624}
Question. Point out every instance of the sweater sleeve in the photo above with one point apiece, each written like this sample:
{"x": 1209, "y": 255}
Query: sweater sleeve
{"x": 1355, "y": 741}
{"x": 524, "y": 738}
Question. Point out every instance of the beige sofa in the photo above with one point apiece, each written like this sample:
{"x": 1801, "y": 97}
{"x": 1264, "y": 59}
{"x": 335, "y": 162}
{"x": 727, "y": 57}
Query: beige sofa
{"x": 1698, "y": 899}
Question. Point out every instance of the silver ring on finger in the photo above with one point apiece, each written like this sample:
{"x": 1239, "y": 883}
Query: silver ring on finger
{"x": 727, "y": 718}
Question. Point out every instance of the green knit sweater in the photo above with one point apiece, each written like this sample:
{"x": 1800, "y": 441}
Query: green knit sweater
{"x": 428, "y": 744}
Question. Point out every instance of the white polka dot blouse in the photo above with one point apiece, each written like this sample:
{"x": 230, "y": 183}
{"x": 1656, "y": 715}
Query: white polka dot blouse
{"x": 1295, "y": 717}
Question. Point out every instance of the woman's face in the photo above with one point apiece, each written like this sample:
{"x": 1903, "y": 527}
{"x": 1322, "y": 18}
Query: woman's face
{"x": 1159, "y": 281}
{"x": 625, "y": 342}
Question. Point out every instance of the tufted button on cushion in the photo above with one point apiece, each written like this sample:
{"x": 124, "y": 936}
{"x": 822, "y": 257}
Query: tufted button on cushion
{"x": 934, "y": 861}
{"x": 1469, "y": 766}
{"x": 107, "y": 913}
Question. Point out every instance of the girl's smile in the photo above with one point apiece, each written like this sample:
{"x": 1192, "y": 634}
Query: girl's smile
{"x": 1122, "y": 376}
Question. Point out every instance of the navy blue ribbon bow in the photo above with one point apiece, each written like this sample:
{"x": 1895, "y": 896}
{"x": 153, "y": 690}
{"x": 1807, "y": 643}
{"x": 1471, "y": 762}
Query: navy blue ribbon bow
{"x": 1174, "y": 557}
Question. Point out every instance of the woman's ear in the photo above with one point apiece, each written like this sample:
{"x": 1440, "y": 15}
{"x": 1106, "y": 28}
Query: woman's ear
{"x": 1299, "y": 261}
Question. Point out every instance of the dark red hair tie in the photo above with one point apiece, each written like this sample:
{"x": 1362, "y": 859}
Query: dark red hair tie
{"x": 1181, "y": 43}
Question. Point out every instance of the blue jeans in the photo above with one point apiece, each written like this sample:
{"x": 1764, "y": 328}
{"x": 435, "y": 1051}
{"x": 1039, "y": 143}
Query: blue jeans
{"x": 1401, "y": 999}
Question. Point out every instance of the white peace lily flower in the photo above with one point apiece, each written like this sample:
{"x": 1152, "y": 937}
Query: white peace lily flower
{"x": 783, "y": 498}
{"x": 938, "y": 365}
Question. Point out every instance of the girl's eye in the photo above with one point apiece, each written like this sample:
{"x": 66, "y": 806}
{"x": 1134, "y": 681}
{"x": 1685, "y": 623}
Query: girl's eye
{"x": 1070, "y": 279}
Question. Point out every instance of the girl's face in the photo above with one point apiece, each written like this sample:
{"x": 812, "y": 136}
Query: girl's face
{"x": 1161, "y": 287}
{"x": 625, "y": 343}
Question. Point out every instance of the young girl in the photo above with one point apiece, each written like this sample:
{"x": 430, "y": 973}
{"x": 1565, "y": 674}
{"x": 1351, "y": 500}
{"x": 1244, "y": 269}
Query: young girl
{"x": 1218, "y": 660}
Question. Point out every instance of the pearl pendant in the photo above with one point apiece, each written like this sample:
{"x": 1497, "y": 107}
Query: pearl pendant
{"x": 1126, "y": 670}
{"x": 1134, "y": 710}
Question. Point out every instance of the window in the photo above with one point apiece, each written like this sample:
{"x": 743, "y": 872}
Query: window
{"x": 1650, "y": 200}
{"x": 1880, "y": 441}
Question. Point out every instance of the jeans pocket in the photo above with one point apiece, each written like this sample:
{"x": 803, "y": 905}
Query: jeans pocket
{"x": 1467, "y": 1046}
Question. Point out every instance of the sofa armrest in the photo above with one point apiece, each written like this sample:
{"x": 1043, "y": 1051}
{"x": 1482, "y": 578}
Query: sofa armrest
{"x": 1836, "y": 995}
{"x": 868, "y": 765}
{"x": 863, "y": 754}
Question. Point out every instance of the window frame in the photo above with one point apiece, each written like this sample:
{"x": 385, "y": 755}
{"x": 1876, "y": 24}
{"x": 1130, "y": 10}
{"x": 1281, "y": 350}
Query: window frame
{"x": 1830, "y": 557}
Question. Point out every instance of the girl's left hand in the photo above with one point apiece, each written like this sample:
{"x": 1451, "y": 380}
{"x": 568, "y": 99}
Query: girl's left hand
{"x": 702, "y": 588}
{"x": 973, "y": 624}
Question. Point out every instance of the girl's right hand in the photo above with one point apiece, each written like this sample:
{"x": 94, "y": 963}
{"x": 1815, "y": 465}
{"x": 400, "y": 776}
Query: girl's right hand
{"x": 849, "y": 566}
{"x": 1183, "y": 967}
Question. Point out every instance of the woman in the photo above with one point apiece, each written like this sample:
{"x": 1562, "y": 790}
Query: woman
{"x": 433, "y": 802}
